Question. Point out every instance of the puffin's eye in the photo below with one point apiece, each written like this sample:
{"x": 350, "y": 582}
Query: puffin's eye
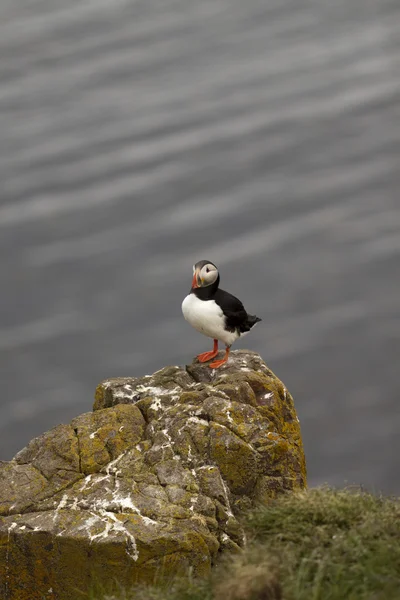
{"x": 207, "y": 270}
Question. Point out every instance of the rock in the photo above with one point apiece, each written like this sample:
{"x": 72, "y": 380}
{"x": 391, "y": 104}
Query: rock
{"x": 148, "y": 484}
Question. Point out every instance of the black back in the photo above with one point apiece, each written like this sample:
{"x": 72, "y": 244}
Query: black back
{"x": 236, "y": 317}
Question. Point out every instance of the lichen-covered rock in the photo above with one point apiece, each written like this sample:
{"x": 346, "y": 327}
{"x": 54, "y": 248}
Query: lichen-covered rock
{"x": 148, "y": 484}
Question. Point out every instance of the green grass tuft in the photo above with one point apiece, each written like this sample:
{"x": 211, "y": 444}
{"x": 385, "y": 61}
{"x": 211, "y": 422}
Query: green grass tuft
{"x": 333, "y": 545}
{"x": 322, "y": 544}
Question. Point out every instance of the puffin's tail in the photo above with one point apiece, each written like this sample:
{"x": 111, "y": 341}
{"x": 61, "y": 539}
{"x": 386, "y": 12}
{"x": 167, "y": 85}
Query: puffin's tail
{"x": 249, "y": 323}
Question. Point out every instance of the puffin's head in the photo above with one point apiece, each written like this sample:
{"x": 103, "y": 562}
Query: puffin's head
{"x": 204, "y": 273}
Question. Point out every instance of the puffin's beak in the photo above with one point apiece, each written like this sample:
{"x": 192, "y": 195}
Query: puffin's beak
{"x": 195, "y": 283}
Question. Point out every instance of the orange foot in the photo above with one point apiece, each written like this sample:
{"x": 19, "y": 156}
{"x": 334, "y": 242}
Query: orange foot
{"x": 217, "y": 363}
{"x": 209, "y": 355}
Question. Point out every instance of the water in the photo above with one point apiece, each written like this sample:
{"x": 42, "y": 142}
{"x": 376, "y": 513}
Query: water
{"x": 138, "y": 137}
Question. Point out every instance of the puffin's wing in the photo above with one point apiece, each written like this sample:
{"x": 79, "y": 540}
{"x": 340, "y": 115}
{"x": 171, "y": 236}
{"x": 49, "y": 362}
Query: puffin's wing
{"x": 233, "y": 309}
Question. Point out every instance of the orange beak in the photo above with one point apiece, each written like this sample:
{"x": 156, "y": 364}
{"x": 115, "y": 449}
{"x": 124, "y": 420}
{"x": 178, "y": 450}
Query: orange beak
{"x": 194, "y": 282}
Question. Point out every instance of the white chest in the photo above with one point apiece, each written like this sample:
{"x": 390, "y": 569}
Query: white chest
{"x": 207, "y": 318}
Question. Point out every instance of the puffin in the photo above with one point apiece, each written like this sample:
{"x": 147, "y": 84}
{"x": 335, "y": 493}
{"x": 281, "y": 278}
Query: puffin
{"x": 214, "y": 312}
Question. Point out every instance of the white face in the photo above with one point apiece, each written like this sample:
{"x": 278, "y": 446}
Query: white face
{"x": 206, "y": 275}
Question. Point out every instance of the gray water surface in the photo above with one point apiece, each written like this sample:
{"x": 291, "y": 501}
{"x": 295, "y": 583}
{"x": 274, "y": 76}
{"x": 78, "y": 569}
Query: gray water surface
{"x": 138, "y": 137}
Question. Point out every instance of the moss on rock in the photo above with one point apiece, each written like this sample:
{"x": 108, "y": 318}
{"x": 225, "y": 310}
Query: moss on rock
{"x": 148, "y": 484}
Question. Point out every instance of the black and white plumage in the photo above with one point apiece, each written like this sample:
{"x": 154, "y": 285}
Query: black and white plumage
{"x": 214, "y": 312}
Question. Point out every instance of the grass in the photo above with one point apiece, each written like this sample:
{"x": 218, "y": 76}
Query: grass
{"x": 322, "y": 544}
